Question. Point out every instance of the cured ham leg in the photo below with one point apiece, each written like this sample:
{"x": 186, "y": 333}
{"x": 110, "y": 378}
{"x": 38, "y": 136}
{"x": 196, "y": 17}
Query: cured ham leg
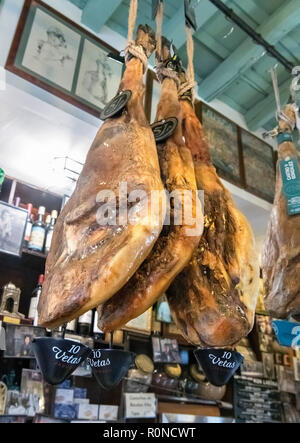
{"x": 213, "y": 300}
{"x": 281, "y": 251}
{"x": 89, "y": 262}
{"x": 176, "y": 243}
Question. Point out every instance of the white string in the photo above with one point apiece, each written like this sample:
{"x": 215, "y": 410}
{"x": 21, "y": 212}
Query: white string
{"x": 136, "y": 51}
{"x": 273, "y": 73}
{"x": 229, "y": 33}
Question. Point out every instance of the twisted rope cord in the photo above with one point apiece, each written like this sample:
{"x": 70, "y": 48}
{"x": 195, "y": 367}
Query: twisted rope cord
{"x": 190, "y": 74}
{"x": 132, "y": 18}
{"x": 132, "y": 48}
{"x": 158, "y": 33}
{"x": 162, "y": 71}
{"x": 136, "y": 51}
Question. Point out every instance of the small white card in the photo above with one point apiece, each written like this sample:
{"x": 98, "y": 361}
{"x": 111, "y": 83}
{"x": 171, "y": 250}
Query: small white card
{"x": 88, "y": 412}
{"x": 140, "y": 405}
{"x": 64, "y": 396}
{"x": 108, "y": 412}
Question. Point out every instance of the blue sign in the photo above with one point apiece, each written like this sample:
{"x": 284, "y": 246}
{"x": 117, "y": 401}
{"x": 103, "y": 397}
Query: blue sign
{"x": 291, "y": 184}
{"x": 287, "y": 333}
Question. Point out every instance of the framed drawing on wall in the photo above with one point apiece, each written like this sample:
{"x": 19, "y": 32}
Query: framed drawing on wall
{"x": 141, "y": 324}
{"x": 259, "y": 166}
{"x": 222, "y": 138}
{"x": 56, "y": 54}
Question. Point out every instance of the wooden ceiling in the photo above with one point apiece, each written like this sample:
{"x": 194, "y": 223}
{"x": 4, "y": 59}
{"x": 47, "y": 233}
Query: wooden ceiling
{"x": 229, "y": 66}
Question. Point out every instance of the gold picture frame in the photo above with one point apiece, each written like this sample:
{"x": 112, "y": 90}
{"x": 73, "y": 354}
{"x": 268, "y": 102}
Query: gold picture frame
{"x": 141, "y": 324}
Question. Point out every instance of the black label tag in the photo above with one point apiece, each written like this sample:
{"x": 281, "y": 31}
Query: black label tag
{"x": 116, "y": 105}
{"x": 219, "y": 365}
{"x": 163, "y": 129}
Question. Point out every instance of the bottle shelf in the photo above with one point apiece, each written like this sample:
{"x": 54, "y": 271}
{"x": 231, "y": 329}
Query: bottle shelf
{"x": 30, "y": 252}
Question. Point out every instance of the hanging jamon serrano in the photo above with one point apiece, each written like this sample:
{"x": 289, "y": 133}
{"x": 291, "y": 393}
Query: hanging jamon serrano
{"x": 176, "y": 243}
{"x": 90, "y": 261}
{"x": 281, "y": 251}
{"x": 213, "y": 299}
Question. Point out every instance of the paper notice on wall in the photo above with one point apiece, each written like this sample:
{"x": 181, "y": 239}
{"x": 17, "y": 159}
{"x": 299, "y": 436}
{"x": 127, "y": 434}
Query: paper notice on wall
{"x": 140, "y": 405}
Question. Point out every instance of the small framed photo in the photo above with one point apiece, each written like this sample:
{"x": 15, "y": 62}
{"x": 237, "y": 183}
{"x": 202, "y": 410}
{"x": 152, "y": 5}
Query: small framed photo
{"x": 156, "y": 349}
{"x": 12, "y": 228}
{"x": 20, "y": 403}
{"x": 32, "y": 383}
{"x": 264, "y": 324}
{"x": 165, "y": 350}
{"x": 141, "y": 324}
{"x": 269, "y": 367}
{"x": 19, "y": 338}
{"x": 285, "y": 378}
{"x": 265, "y": 342}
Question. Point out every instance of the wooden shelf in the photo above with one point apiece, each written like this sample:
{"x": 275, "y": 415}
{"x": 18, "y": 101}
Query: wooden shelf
{"x": 188, "y": 408}
{"x": 6, "y": 318}
{"x": 30, "y": 252}
{"x": 196, "y": 401}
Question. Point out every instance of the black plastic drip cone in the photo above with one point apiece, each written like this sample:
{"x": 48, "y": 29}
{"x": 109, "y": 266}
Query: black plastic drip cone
{"x": 219, "y": 365}
{"x": 109, "y": 366}
{"x": 58, "y": 357}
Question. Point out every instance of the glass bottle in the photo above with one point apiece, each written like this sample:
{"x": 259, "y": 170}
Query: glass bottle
{"x": 35, "y": 299}
{"x": 49, "y": 232}
{"x": 28, "y": 226}
{"x": 37, "y": 236}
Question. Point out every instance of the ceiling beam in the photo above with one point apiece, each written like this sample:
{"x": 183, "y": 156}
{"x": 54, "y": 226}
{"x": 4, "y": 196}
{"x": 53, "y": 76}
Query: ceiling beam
{"x": 79, "y": 3}
{"x": 257, "y": 82}
{"x": 273, "y": 30}
{"x": 174, "y": 28}
{"x": 264, "y": 110}
{"x": 95, "y": 14}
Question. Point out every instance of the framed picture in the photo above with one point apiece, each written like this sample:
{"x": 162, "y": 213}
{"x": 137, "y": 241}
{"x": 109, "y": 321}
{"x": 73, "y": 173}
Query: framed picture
{"x": 20, "y": 403}
{"x": 141, "y": 324}
{"x": 165, "y": 350}
{"x": 264, "y": 324}
{"x": 56, "y": 54}
{"x": 156, "y": 349}
{"x": 222, "y": 138}
{"x": 259, "y": 164}
{"x": 285, "y": 378}
{"x": 250, "y": 368}
{"x": 269, "y": 367}
{"x": 163, "y": 313}
{"x": 265, "y": 342}
{"x": 32, "y": 383}
{"x": 18, "y": 340}
{"x": 12, "y": 228}
{"x": 296, "y": 364}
